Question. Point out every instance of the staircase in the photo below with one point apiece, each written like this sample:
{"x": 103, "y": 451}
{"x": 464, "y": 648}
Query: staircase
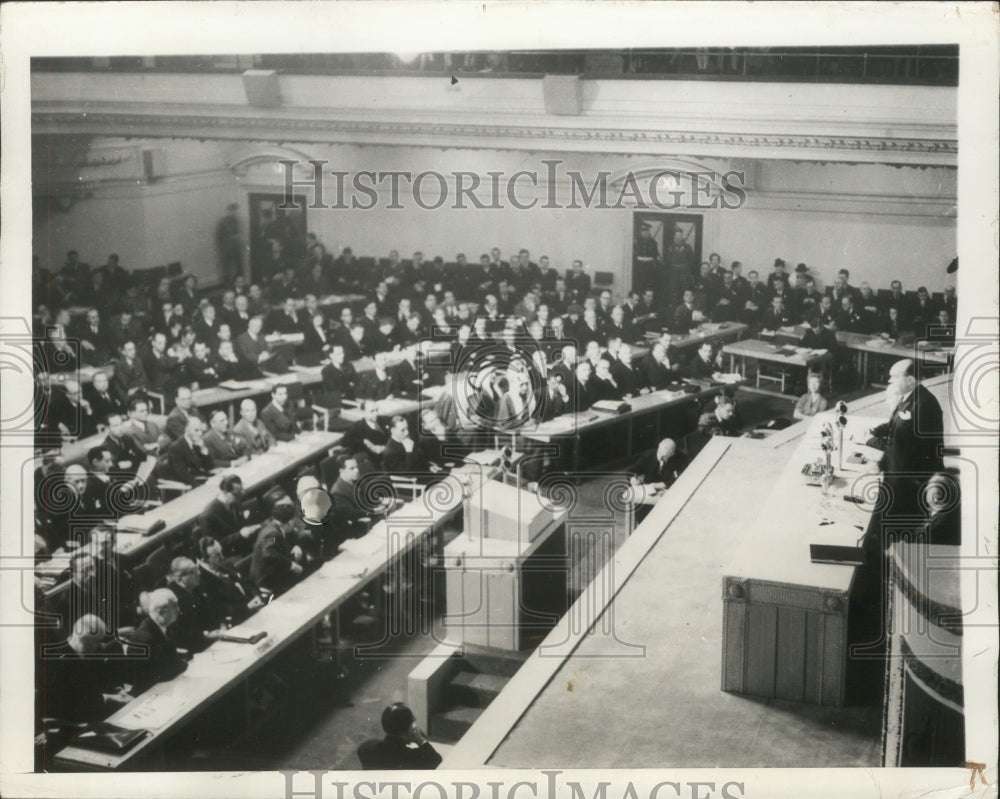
{"x": 481, "y": 675}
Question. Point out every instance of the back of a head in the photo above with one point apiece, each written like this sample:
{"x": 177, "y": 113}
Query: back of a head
{"x": 397, "y": 718}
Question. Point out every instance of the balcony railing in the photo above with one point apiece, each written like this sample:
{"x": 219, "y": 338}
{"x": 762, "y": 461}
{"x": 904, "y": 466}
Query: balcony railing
{"x": 932, "y": 65}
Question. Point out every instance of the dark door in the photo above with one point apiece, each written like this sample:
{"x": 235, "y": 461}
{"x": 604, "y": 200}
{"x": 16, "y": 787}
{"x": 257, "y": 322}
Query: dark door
{"x": 666, "y": 252}
{"x": 277, "y": 235}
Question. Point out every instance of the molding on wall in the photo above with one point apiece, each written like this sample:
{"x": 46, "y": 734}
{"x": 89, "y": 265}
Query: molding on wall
{"x": 236, "y": 124}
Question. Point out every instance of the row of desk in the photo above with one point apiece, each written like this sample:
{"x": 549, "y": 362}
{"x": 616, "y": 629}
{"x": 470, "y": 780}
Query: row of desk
{"x": 167, "y": 706}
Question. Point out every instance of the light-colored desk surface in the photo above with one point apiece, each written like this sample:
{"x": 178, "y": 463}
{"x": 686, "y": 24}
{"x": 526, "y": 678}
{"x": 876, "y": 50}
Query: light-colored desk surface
{"x": 574, "y": 423}
{"x": 710, "y": 331}
{"x": 791, "y": 517}
{"x": 223, "y": 664}
{"x": 765, "y": 351}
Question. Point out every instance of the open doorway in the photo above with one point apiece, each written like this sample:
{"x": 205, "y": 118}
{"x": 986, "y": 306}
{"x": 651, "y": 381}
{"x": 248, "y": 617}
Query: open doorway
{"x": 666, "y": 252}
{"x": 277, "y": 235}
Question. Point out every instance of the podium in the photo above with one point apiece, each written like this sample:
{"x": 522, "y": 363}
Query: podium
{"x": 507, "y": 574}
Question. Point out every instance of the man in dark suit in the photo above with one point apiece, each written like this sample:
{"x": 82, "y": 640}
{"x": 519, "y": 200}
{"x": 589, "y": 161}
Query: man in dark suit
{"x": 555, "y": 400}
{"x": 95, "y": 343}
{"x": 155, "y": 658}
{"x": 198, "y": 621}
{"x": 703, "y": 365}
{"x": 188, "y": 460}
{"x": 225, "y": 449}
{"x": 658, "y": 470}
{"x": 339, "y": 376}
{"x": 161, "y": 369}
{"x": 912, "y": 440}
{"x": 351, "y": 520}
{"x": 376, "y": 384}
{"x": 720, "y": 420}
{"x": 253, "y": 350}
{"x": 660, "y": 372}
{"x": 125, "y": 327}
{"x": 776, "y": 316}
{"x": 225, "y": 519}
{"x": 403, "y": 455}
{"x": 285, "y": 321}
{"x": 130, "y": 374}
{"x": 126, "y": 453}
{"x": 366, "y": 438}
{"x": 70, "y": 413}
{"x": 581, "y": 391}
{"x": 277, "y": 417}
{"x": 253, "y": 435}
{"x": 206, "y": 326}
{"x": 686, "y": 316}
{"x": 626, "y": 374}
{"x": 227, "y": 592}
{"x": 605, "y": 387}
{"x": 277, "y": 561}
{"x": 183, "y": 412}
{"x": 103, "y": 399}
{"x": 201, "y": 370}
{"x": 578, "y": 282}
{"x": 79, "y": 683}
{"x": 405, "y": 746}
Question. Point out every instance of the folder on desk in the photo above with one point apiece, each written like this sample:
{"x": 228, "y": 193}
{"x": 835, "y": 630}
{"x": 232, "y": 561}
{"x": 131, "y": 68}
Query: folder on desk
{"x": 105, "y": 737}
{"x": 237, "y": 636}
{"x": 830, "y": 553}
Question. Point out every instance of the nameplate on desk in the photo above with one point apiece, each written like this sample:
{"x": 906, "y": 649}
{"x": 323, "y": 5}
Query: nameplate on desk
{"x": 264, "y": 645}
{"x": 830, "y": 553}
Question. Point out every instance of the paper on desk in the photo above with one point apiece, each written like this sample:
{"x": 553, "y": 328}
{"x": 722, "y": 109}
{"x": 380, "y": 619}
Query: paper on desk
{"x": 367, "y": 545}
{"x": 342, "y": 567}
{"x": 837, "y": 534}
{"x": 154, "y": 710}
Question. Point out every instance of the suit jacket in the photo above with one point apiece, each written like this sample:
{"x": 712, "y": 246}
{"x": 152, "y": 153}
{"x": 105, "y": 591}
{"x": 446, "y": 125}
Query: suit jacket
{"x": 698, "y": 369}
{"x": 581, "y": 396}
{"x": 177, "y": 421}
{"x": 393, "y": 754}
{"x": 710, "y": 424}
{"x": 407, "y": 381}
{"x": 188, "y": 465}
{"x": 913, "y": 436}
{"x": 160, "y": 661}
{"x": 340, "y": 381}
{"x": 161, "y": 370}
{"x": 205, "y": 373}
{"x": 683, "y": 319}
{"x": 124, "y": 449}
{"x": 74, "y": 685}
{"x": 147, "y": 433}
{"x": 651, "y": 470}
{"x": 629, "y": 378}
{"x": 129, "y": 376}
{"x": 255, "y": 438}
{"x": 197, "y": 616}
{"x": 358, "y": 432}
{"x": 398, "y": 461}
{"x": 371, "y": 387}
{"x": 280, "y": 423}
{"x": 226, "y": 591}
{"x": 249, "y": 350}
{"x": 119, "y": 332}
{"x": 103, "y": 405}
{"x": 315, "y": 344}
{"x": 606, "y": 390}
{"x": 271, "y": 565}
{"x": 224, "y": 524}
{"x": 658, "y": 375}
{"x": 551, "y": 405}
{"x": 223, "y": 449}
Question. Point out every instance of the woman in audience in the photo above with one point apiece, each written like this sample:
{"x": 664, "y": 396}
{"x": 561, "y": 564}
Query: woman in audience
{"x": 812, "y": 402}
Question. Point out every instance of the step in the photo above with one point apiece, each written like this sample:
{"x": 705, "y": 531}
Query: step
{"x": 494, "y": 661}
{"x": 452, "y": 724}
{"x": 475, "y": 690}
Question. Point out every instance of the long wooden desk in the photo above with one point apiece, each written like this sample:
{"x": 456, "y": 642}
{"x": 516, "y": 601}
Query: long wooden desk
{"x": 709, "y": 331}
{"x": 758, "y": 350}
{"x": 165, "y": 707}
{"x": 624, "y": 434}
{"x": 76, "y": 451}
{"x": 785, "y": 617}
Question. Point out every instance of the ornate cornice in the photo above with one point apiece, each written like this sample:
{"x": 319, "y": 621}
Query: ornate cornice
{"x": 883, "y": 149}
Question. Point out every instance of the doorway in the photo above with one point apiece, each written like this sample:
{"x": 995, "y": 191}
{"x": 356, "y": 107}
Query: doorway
{"x": 666, "y": 252}
{"x": 277, "y": 235}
